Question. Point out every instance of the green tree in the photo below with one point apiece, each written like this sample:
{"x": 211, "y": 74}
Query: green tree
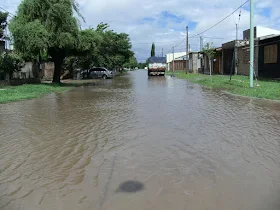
{"x": 47, "y": 25}
{"x": 210, "y": 51}
{"x": 3, "y": 23}
{"x": 132, "y": 63}
{"x": 112, "y": 49}
{"x": 142, "y": 65}
{"x": 153, "y": 50}
{"x": 100, "y": 47}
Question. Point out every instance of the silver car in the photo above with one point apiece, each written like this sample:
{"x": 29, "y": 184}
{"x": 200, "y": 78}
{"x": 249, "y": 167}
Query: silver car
{"x": 97, "y": 72}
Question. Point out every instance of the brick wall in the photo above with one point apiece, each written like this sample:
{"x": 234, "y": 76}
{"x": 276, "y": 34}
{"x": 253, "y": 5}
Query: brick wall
{"x": 244, "y": 59}
{"x": 179, "y": 66}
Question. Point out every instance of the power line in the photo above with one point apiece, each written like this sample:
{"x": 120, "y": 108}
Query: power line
{"x": 9, "y": 13}
{"x": 211, "y": 26}
{"x": 221, "y": 20}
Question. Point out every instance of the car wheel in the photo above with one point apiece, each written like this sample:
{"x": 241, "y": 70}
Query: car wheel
{"x": 104, "y": 76}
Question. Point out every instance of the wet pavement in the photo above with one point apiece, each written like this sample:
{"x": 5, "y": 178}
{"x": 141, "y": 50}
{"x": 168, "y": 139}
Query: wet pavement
{"x": 140, "y": 143}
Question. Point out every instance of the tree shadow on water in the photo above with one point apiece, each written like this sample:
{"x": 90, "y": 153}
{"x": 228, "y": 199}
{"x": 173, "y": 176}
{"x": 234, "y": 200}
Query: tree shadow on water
{"x": 130, "y": 187}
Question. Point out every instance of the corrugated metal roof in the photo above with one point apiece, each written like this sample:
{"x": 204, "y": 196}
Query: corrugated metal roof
{"x": 157, "y": 60}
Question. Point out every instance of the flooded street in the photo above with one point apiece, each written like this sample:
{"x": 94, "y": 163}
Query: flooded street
{"x": 139, "y": 143}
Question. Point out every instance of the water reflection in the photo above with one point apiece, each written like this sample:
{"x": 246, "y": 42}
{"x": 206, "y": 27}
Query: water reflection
{"x": 130, "y": 187}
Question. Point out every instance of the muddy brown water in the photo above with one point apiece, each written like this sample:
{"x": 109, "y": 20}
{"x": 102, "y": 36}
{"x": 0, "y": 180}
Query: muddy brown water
{"x": 139, "y": 143}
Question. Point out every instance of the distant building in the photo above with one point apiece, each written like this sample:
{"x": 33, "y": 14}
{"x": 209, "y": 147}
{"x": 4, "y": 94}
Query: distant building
{"x": 179, "y": 64}
{"x": 169, "y": 59}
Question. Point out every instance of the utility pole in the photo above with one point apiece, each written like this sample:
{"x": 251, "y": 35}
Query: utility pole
{"x": 201, "y": 44}
{"x": 187, "y": 48}
{"x": 252, "y": 43}
{"x": 173, "y": 62}
{"x": 201, "y": 49}
{"x": 235, "y": 51}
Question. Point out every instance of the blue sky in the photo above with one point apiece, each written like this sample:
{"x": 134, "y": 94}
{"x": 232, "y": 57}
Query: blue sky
{"x": 164, "y": 21}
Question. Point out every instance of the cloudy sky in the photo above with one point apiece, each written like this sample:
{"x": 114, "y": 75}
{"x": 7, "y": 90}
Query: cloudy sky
{"x": 164, "y": 21}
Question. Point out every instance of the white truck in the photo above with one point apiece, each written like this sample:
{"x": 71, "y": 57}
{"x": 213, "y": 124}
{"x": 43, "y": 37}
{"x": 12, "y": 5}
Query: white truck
{"x": 156, "y": 66}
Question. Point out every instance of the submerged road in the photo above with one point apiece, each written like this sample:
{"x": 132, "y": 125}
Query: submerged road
{"x": 139, "y": 143}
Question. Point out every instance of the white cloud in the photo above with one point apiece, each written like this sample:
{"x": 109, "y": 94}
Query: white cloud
{"x": 127, "y": 16}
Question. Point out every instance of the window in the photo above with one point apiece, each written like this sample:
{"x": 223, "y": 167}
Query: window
{"x": 270, "y": 54}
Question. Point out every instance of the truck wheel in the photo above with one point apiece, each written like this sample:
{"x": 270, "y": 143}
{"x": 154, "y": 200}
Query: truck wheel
{"x": 104, "y": 76}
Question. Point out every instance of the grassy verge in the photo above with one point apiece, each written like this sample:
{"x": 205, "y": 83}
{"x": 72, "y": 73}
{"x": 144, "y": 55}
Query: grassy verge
{"x": 16, "y": 93}
{"x": 268, "y": 89}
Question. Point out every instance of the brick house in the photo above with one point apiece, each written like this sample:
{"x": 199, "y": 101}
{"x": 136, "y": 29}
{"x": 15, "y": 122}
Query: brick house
{"x": 179, "y": 64}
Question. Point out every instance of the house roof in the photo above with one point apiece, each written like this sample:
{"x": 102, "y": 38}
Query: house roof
{"x": 269, "y": 36}
{"x": 157, "y": 60}
{"x": 181, "y": 58}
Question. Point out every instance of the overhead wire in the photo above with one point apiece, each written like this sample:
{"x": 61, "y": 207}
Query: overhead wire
{"x": 9, "y": 13}
{"x": 221, "y": 20}
{"x": 197, "y": 35}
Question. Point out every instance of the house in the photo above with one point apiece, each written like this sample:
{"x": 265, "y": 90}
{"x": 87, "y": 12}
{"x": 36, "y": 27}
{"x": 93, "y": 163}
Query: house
{"x": 241, "y": 65}
{"x": 204, "y": 65}
{"x": 179, "y": 64}
{"x": 269, "y": 56}
{"x": 169, "y": 59}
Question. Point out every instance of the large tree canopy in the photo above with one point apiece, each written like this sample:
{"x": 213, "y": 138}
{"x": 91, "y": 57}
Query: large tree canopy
{"x": 46, "y": 25}
{"x": 115, "y": 48}
{"x": 49, "y": 26}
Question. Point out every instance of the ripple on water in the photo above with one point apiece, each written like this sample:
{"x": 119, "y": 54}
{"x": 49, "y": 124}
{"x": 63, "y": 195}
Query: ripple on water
{"x": 182, "y": 142}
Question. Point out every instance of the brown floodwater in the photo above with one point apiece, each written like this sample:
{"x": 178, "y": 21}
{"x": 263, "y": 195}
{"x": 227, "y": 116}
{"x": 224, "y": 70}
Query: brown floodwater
{"x": 139, "y": 143}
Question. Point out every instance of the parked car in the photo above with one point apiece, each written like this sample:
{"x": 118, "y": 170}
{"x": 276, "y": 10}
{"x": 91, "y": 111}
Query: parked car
{"x": 97, "y": 72}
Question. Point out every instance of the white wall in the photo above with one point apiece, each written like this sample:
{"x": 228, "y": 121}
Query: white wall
{"x": 262, "y": 31}
{"x": 26, "y": 71}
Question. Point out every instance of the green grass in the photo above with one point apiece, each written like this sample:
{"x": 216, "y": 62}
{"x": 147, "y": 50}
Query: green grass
{"x": 268, "y": 89}
{"x": 16, "y": 93}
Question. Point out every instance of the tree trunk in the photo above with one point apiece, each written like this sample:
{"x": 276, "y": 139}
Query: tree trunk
{"x": 210, "y": 66}
{"x": 58, "y": 56}
{"x": 57, "y": 70}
